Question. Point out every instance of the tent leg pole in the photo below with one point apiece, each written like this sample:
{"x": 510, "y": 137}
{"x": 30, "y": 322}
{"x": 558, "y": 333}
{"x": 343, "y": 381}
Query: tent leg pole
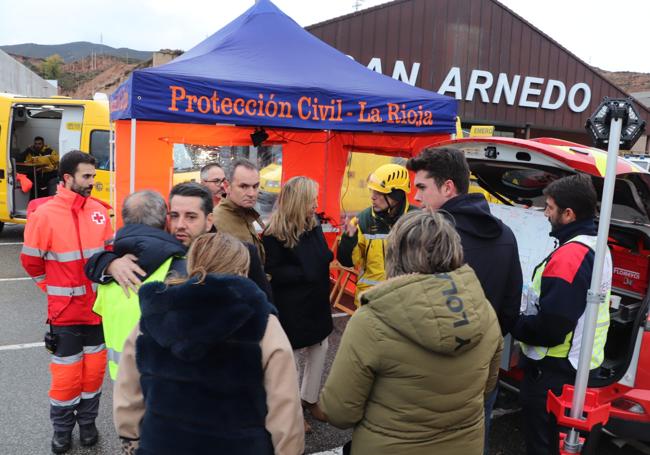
{"x": 132, "y": 167}
{"x": 112, "y": 137}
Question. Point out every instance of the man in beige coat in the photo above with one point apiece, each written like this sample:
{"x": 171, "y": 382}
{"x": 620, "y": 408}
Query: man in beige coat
{"x": 236, "y": 212}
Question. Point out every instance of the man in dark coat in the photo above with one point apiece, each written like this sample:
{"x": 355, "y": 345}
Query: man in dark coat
{"x": 190, "y": 215}
{"x": 158, "y": 254}
{"x": 489, "y": 246}
{"x": 142, "y": 238}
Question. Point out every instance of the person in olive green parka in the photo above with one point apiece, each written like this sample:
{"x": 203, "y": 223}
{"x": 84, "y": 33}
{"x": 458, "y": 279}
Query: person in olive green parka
{"x": 418, "y": 357}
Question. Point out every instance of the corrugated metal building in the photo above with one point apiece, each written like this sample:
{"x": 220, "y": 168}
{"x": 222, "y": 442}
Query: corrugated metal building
{"x": 503, "y": 70}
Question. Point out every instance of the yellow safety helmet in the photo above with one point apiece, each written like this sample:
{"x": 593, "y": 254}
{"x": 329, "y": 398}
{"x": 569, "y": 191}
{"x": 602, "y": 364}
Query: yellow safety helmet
{"x": 390, "y": 177}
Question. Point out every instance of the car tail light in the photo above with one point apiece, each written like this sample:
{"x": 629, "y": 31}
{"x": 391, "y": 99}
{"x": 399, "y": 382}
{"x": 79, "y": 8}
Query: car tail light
{"x": 628, "y": 405}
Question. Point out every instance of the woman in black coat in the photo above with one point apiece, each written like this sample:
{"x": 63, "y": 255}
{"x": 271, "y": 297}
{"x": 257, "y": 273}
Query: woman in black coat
{"x": 297, "y": 259}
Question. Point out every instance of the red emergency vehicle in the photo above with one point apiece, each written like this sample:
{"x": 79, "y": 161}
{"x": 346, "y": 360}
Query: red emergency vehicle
{"x": 516, "y": 171}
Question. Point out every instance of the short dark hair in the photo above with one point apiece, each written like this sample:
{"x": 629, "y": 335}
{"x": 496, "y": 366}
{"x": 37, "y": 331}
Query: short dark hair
{"x": 193, "y": 189}
{"x": 145, "y": 207}
{"x": 207, "y": 167}
{"x": 575, "y": 192}
{"x": 237, "y": 163}
{"x": 39, "y": 138}
{"x": 72, "y": 159}
{"x": 443, "y": 164}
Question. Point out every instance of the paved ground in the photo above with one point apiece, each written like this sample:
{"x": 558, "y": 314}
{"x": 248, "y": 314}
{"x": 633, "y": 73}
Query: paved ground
{"x": 24, "y": 379}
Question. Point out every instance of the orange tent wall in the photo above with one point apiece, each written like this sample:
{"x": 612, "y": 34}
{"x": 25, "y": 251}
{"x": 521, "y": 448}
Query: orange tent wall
{"x": 320, "y": 155}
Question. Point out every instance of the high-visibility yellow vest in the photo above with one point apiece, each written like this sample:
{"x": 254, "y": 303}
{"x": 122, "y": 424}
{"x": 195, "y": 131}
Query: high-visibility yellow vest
{"x": 570, "y": 348}
{"x": 120, "y": 314}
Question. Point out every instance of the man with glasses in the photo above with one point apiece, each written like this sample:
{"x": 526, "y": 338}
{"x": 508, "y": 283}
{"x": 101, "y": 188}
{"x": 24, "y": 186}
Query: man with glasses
{"x": 213, "y": 177}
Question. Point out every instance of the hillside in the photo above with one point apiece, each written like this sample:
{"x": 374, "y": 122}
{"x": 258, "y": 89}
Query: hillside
{"x": 84, "y": 77}
{"x": 629, "y": 81}
{"x": 110, "y": 72}
{"x": 88, "y": 68}
{"x": 71, "y": 52}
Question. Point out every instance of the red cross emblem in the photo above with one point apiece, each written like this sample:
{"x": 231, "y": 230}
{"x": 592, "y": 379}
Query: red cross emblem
{"x": 98, "y": 218}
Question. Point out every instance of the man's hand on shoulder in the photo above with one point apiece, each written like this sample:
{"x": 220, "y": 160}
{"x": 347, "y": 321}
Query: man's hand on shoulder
{"x": 125, "y": 272}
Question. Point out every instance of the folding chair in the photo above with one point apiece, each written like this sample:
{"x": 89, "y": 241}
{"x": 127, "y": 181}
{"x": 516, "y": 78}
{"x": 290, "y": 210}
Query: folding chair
{"x": 341, "y": 276}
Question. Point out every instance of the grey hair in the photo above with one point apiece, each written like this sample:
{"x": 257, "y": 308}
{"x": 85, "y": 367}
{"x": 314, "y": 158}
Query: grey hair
{"x": 206, "y": 168}
{"x": 145, "y": 207}
{"x": 235, "y": 164}
{"x": 423, "y": 242}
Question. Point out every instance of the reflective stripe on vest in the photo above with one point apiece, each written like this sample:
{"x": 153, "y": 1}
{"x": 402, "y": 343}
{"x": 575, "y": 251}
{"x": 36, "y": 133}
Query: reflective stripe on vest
{"x": 376, "y": 236}
{"x": 63, "y": 291}
{"x": 120, "y": 314}
{"x": 368, "y": 282}
{"x": 570, "y": 348}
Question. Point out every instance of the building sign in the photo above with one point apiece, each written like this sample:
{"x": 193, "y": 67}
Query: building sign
{"x": 198, "y": 102}
{"x": 522, "y": 90}
{"x": 268, "y": 106}
{"x": 481, "y": 131}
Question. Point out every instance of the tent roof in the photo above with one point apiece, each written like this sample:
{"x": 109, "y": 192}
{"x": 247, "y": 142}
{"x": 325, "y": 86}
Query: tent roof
{"x": 263, "y": 69}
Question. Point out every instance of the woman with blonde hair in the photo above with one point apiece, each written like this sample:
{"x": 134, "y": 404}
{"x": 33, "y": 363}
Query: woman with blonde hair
{"x": 209, "y": 368}
{"x": 418, "y": 357}
{"x": 297, "y": 259}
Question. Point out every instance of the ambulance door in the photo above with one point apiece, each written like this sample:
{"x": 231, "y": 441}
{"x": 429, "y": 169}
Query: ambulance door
{"x": 18, "y": 131}
{"x": 100, "y": 149}
{"x": 70, "y": 131}
{"x": 5, "y": 149}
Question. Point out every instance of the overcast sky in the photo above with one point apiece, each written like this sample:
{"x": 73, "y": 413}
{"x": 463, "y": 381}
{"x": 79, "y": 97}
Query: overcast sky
{"x": 612, "y": 35}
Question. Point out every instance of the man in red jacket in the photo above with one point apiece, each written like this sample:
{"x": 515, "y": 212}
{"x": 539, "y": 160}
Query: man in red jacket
{"x": 61, "y": 234}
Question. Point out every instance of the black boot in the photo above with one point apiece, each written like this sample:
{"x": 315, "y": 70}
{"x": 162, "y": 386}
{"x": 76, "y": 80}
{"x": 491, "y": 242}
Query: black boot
{"x": 88, "y": 434}
{"x": 61, "y": 441}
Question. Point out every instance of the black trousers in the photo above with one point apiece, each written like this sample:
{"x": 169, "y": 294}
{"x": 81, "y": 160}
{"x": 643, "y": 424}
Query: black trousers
{"x": 540, "y": 429}
{"x": 46, "y": 183}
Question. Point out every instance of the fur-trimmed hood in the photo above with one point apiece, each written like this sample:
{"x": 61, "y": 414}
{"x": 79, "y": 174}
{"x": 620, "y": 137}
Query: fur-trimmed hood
{"x": 190, "y": 319}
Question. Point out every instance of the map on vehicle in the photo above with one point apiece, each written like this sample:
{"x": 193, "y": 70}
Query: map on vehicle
{"x": 531, "y": 228}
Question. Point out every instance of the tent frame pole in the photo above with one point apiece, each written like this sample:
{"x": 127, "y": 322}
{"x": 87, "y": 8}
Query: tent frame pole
{"x": 112, "y": 138}
{"x": 132, "y": 163}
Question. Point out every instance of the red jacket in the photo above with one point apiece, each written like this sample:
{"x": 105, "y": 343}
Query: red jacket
{"x": 61, "y": 234}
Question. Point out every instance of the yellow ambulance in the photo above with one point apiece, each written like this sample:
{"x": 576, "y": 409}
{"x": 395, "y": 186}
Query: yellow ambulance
{"x": 65, "y": 124}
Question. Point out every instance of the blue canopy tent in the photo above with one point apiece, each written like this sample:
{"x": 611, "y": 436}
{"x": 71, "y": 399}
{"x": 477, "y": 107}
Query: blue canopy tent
{"x": 264, "y": 70}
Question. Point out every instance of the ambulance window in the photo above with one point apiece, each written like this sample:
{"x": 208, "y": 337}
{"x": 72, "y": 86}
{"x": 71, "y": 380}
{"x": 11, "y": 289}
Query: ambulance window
{"x": 100, "y": 148}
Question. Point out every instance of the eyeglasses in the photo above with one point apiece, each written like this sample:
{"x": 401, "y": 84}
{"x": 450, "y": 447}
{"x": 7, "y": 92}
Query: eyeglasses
{"x": 217, "y": 181}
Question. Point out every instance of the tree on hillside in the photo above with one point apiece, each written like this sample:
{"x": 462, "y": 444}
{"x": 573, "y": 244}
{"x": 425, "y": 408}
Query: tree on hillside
{"x": 51, "y": 68}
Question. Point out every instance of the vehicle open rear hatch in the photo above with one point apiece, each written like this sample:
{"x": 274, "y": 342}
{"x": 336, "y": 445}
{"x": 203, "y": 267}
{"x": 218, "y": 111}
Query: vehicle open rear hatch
{"x": 517, "y": 176}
